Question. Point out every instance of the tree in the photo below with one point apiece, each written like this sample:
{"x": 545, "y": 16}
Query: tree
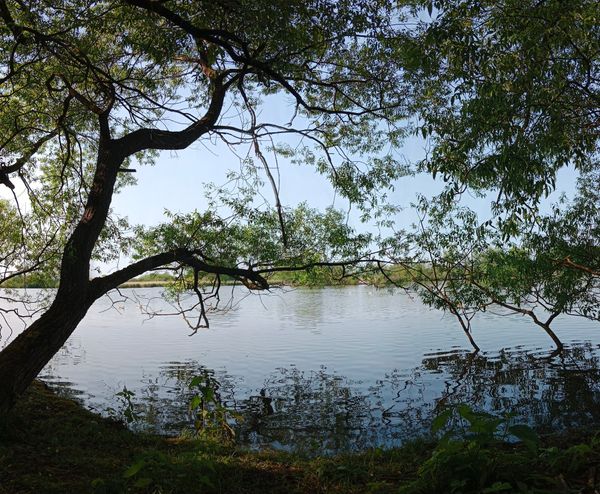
{"x": 548, "y": 269}
{"x": 508, "y": 93}
{"x": 89, "y": 87}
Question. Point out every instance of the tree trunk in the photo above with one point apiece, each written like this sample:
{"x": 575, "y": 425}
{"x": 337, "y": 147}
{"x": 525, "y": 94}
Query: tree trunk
{"x": 23, "y": 359}
{"x": 26, "y": 356}
{"x": 552, "y": 334}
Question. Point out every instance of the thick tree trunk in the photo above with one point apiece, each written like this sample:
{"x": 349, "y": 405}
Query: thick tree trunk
{"x": 23, "y": 359}
{"x": 26, "y": 356}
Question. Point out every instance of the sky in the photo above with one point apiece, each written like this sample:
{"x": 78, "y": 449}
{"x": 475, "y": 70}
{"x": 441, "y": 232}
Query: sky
{"x": 176, "y": 182}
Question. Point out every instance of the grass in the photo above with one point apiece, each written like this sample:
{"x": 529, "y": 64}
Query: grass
{"x": 50, "y": 444}
{"x": 317, "y": 277}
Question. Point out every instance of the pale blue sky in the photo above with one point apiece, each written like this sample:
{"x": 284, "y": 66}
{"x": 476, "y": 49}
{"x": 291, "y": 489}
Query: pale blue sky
{"x": 177, "y": 181}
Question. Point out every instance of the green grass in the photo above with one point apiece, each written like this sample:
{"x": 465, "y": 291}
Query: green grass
{"x": 50, "y": 445}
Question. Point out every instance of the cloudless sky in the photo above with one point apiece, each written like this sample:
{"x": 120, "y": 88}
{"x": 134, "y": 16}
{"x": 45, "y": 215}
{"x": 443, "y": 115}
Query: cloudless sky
{"x": 177, "y": 181}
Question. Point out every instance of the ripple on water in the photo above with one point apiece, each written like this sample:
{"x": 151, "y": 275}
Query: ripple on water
{"x": 329, "y": 369}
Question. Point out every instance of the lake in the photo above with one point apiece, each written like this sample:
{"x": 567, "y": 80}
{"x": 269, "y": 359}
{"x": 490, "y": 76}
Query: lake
{"x": 326, "y": 370}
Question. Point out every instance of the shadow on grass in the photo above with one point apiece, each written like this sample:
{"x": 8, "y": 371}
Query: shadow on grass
{"x": 50, "y": 445}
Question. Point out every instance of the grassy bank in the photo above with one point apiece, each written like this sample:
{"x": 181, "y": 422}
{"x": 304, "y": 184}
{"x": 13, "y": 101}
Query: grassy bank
{"x": 51, "y": 445}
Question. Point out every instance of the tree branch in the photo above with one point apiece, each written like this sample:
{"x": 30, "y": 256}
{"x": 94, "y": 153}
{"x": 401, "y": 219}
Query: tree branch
{"x": 15, "y": 29}
{"x": 143, "y": 139}
{"x": 5, "y": 170}
{"x": 229, "y": 42}
{"x": 99, "y": 286}
{"x": 580, "y": 267}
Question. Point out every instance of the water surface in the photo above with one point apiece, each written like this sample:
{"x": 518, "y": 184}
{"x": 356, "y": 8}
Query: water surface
{"x": 328, "y": 369}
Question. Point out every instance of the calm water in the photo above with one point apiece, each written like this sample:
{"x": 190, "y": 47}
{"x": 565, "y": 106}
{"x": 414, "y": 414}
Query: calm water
{"x": 328, "y": 369}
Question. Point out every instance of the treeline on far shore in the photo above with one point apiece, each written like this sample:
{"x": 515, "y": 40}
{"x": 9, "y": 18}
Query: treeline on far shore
{"x": 316, "y": 277}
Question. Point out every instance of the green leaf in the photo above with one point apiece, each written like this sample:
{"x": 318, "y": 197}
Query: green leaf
{"x": 441, "y": 420}
{"x": 196, "y": 381}
{"x": 498, "y": 487}
{"x": 195, "y": 402}
{"x": 97, "y": 482}
{"x": 466, "y": 412}
{"x": 524, "y": 433}
{"x": 209, "y": 394}
{"x": 485, "y": 425}
{"x": 142, "y": 482}
{"x": 204, "y": 480}
{"x": 134, "y": 469}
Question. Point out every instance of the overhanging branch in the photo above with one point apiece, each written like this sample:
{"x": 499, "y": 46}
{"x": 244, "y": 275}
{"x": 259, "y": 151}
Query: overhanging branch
{"x": 579, "y": 267}
{"x": 186, "y": 257}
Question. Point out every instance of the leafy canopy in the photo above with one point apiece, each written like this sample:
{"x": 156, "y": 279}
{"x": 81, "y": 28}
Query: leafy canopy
{"x": 508, "y": 93}
{"x": 505, "y": 92}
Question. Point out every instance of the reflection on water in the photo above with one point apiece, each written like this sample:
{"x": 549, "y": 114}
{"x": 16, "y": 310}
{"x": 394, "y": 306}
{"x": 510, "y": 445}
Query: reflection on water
{"x": 323, "y": 412}
{"x": 332, "y": 369}
{"x": 325, "y": 409}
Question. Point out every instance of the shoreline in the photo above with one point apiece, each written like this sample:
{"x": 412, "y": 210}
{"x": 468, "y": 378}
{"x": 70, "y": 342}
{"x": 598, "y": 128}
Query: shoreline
{"x": 75, "y": 450}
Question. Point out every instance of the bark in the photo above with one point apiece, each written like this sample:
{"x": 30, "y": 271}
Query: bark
{"x": 26, "y": 356}
{"x": 545, "y": 325}
{"x": 552, "y": 334}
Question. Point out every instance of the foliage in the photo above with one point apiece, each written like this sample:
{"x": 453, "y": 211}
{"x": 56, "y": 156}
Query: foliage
{"x": 126, "y": 410}
{"x": 111, "y": 459}
{"x": 505, "y": 92}
{"x": 26, "y": 245}
{"x": 212, "y": 417}
{"x": 508, "y": 91}
{"x": 470, "y": 455}
{"x": 256, "y": 240}
{"x": 68, "y": 65}
{"x": 546, "y": 269}
{"x": 90, "y": 88}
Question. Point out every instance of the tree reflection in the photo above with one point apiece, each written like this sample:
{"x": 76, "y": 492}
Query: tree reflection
{"x": 552, "y": 393}
{"x": 324, "y": 412}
